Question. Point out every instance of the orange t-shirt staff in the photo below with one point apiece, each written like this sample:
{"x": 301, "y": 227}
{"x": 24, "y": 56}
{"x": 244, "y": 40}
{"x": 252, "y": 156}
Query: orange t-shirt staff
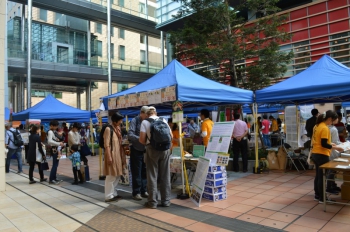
{"x": 321, "y": 149}
{"x": 176, "y": 135}
{"x": 207, "y": 126}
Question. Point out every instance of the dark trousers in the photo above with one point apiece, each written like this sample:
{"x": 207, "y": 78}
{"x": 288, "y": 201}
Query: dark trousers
{"x": 55, "y": 162}
{"x": 319, "y": 160}
{"x": 138, "y": 172}
{"x": 26, "y": 148}
{"x": 18, "y": 153}
{"x": 77, "y": 173}
{"x": 31, "y": 170}
{"x": 240, "y": 147}
{"x": 83, "y": 158}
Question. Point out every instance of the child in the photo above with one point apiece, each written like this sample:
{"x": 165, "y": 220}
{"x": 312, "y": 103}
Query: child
{"x": 74, "y": 156}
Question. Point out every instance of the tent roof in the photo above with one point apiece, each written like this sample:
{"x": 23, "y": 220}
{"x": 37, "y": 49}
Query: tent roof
{"x": 191, "y": 87}
{"x": 264, "y": 108}
{"x": 7, "y": 114}
{"x": 327, "y": 80}
{"x": 51, "y": 108}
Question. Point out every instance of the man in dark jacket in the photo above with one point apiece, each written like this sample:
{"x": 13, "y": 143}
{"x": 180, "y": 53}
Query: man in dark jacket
{"x": 137, "y": 164}
{"x": 311, "y": 122}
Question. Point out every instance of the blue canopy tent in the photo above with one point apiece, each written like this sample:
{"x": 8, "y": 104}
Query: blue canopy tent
{"x": 192, "y": 89}
{"x": 327, "y": 80}
{"x": 51, "y": 108}
{"x": 7, "y": 114}
{"x": 264, "y": 108}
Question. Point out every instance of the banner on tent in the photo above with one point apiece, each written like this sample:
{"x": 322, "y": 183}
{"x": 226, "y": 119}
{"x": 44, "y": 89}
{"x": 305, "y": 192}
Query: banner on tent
{"x": 151, "y": 97}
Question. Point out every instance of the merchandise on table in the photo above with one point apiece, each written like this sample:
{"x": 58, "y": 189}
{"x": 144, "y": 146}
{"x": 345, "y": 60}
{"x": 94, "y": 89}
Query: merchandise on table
{"x": 215, "y": 197}
{"x": 217, "y": 168}
{"x": 216, "y": 175}
{"x": 216, "y": 183}
{"x": 215, "y": 190}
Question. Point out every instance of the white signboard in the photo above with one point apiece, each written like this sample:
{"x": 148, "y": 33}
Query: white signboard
{"x": 199, "y": 180}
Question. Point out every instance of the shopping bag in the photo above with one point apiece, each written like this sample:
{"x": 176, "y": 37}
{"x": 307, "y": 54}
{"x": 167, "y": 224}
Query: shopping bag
{"x": 85, "y": 150}
{"x": 44, "y": 165}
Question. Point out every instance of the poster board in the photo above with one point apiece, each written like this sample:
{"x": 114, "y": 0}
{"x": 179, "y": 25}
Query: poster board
{"x": 112, "y": 103}
{"x": 199, "y": 180}
{"x": 220, "y": 137}
{"x": 198, "y": 151}
{"x": 176, "y": 152}
{"x": 290, "y": 117}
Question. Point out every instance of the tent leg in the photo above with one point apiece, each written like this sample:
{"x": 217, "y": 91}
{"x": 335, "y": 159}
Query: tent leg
{"x": 255, "y": 110}
{"x": 182, "y": 195}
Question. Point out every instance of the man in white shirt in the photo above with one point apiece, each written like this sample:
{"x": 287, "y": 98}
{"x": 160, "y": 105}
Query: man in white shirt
{"x": 157, "y": 162}
{"x": 12, "y": 148}
{"x": 240, "y": 144}
{"x": 53, "y": 141}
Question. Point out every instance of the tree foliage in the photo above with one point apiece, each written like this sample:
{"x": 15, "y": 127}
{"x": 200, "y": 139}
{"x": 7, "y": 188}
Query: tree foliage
{"x": 218, "y": 36}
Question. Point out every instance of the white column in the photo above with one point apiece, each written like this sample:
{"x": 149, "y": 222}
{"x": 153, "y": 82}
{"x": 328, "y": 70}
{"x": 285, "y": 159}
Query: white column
{"x": 22, "y": 93}
{"x": 88, "y": 42}
{"x": 88, "y": 96}
{"x": 147, "y": 53}
{"x": 162, "y": 48}
{"x": 23, "y": 23}
{"x": 78, "y": 99}
{"x": 3, "y": 67}
{"x": 29, "y": 55}
{"x": 109, "y": 47}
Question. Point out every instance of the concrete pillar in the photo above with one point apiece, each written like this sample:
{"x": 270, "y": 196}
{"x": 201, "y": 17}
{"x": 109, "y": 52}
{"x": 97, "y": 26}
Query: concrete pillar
{"x": 147, "y": 53}
{"x": 3, "y": 77}
{"x": 29, "y": 55}
{"x": 169, "y": 48}
{"x": 109, "y": 47}
{"x": 22, "y": 93}
{"x": 23, "y": 23}
{"x": 78, "y": 99}
{"x": 162, "y": 48}
{"x": 88, "y": 96}
{"x": 13, "y": 97}
{"x": 88, "y": 43}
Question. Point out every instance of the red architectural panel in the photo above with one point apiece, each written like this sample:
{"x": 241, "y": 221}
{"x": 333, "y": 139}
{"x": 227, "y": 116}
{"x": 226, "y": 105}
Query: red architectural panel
{"x": 318, "y": 31}
{"x": 300, "y": 35}
{"x": 285, "y": 27}
{"x": 317, "y": 8}
{"x": 338, "y": 14}
{"x": 339, "y": 26}
{"x": 336, "y": 3}
{"x": 300, "y": 24}
{"x": 316, "y": 58}
{"x": 321, "y": 51}
{"x": 319, "y": 39}
{"x": 320, "y": 45}
{"x": 318, "y": 19}
{"x": 298, "y": 14}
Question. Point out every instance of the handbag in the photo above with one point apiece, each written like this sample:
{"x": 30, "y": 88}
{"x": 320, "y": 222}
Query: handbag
{"x": 85, "y": 150}
{"x": 44, "y": 165}
{"x": 39, "y": 156}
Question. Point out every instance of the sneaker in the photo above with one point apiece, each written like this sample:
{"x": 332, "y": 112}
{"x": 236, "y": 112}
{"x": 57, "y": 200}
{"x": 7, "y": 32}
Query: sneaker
{"x": 316, "y": 198}
{"x": 166, "y": 205}
{"x": 75, "y": 183}
{"x": 81, "y": 182}
{"x": 32, "y": 182}
{"x": 110, "y": 200}
{"x": 118, "y": 197}
{"x": 148, "y": 205}
{"x": 144, "y": 195}
{"x": 328, "y": 201}
{"x": 42, "y": 180}
{"x": 54, "y": 182}
{"x": 137, "y": 197}
{"x": 19, "y": 172}
{"x": 337, "y": 189}
{"x": 58, "y": 180}
{"x": 332, "y": 191}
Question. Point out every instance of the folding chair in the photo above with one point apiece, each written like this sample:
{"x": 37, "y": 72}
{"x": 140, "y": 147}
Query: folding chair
{"x": 292, "y": 157}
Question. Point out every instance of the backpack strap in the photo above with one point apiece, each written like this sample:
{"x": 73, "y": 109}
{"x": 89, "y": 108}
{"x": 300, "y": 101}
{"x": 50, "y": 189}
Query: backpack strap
{"x": 150, "y": 120}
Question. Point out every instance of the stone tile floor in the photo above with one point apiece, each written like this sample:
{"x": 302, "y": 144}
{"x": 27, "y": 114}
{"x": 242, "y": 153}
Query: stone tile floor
{"x": 267, "y": 202}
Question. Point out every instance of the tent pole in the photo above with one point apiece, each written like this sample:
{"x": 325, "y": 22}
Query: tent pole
{"x": 179, "y": 124}
{"x": 255, "y": 110}
{"x": 92, "y": 137}
{"x": 126, "y": 123}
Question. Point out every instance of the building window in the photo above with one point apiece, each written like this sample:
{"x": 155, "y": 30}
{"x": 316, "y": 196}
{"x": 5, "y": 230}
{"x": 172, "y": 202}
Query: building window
{"x": 121, "y": 3}
{"x": 98, "y": 28}
{"x": 99, "y": 48}
{"x": 142, "y": 57}
{"x": 19, "y": 11}
{"x": 121, "y": 33}
{"x": 112, "y": 50}
{"x": 122, "y": 87}
{"x": 121, "y": 52}
{"x": 43, "y": 15}
{"x": 340, "y": 49}
{"x": 142, "y": 8}
{"x": 112, "y": 31}
{"x": 302, "y": 56}
{"x": 142, "y": 39}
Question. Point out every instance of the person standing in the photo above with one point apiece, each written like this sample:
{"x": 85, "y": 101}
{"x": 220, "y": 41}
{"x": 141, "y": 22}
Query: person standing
{"x": 65, "y": 132}
{"x": 12, "y": 148}
{"x": 137, "y": 151}
{"x": 74, "y": 138}
{"x": 157, "y": 161}
{"x": 207, "y": 126}
{"x": 265, "y": 128}
{"x": 176, "y": 135}
{"x": 240, "y": 145}
{"x": 274, "y": 130}
{"x": 43, "y": 136}
{"x": 311, "y": 122}
{"x": 321, "y": 149}
{"x": 341, "y": 128}
{"x": 115, "y": 160}
{"x": 192, "y": 128}
{"x": 53, "y": 141}
{"x": 74, "y": 156}
{"x": 35, "y": 146}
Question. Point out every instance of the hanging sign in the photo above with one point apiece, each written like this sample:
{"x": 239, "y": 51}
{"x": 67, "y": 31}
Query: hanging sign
{"x": 178, "y": 114}
{"x": 168, "y": 94}
{"x": 112, "y": 103}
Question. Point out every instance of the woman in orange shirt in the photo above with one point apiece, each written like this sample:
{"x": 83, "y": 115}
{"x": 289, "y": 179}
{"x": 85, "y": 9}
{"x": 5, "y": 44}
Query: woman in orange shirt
{"x": 176, "y": 135}
{"x": 321, "y": 149}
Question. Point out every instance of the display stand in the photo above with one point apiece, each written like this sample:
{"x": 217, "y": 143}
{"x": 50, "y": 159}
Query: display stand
{"x": 216, "y": 184}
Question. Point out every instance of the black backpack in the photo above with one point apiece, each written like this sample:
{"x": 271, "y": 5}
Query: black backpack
{"x": 160, "y": 134}
{"x": 18, "y": 141}
{"x": 101, "y": 142}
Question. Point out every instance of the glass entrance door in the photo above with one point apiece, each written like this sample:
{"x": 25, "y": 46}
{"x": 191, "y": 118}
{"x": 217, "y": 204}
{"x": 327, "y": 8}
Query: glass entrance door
{"x": 62, "y": 55}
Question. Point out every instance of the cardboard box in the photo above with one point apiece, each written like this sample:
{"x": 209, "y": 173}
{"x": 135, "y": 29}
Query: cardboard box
{"x": 216, "y": 183}
{"x": 215, "y": 190}
{"x": 217, "y": 168}
{"x": 345, "y": 192}
{"x": 346, "y": 177}
{"x": 215, "y": 197}
{"x": 216, "y": 175}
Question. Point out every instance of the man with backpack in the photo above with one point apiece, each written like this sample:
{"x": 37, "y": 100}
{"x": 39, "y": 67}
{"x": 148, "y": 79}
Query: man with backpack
{"x": 156, "y": 135}
{"x": 14, "y": 144}
{"x": 137, "y": 163}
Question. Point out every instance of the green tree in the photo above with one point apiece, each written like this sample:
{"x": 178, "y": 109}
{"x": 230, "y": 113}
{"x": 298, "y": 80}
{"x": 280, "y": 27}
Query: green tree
{"x": 218, "y": 36}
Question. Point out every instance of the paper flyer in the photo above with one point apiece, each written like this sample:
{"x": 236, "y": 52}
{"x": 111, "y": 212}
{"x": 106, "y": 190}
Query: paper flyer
{"x": 168, "y": 94}
{"x": 218, "y": 158}
{"x": 112, "y": 103}
{"x": 199, "y": 180}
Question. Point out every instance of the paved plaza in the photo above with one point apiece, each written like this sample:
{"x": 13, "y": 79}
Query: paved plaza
{"x": 276, "y": 201}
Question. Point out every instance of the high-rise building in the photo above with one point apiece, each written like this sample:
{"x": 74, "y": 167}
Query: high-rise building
{"x": 61, "y": 42}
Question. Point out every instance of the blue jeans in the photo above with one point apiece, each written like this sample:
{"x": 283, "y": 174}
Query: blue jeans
{"x": 267, "y": 141}
{"x": 18, "y": 153}
{"x": 55, "y": 163}
{"x": 138, "y": 172}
